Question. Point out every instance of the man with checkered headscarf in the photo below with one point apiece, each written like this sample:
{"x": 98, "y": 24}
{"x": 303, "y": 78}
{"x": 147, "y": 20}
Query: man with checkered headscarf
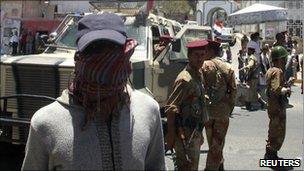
{"x": 99, "y": 122}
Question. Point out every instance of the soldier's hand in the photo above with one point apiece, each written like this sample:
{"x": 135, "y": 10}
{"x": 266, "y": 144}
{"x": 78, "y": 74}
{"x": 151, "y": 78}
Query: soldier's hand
{"x": 291, "y": 80}
{"x": 286, "y": 91}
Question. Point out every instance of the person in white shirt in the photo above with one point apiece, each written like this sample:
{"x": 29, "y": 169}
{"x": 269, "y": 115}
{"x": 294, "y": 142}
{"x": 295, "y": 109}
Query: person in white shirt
{"x": 99, "y": 122}
{"x": 255, "y": 43}
{"x": 265, "y": 65}
{"x": 14, "y": 42}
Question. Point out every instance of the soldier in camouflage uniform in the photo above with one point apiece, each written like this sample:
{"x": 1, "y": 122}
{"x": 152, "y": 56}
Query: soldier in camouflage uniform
{"x": 220, "y": 85}
{"x": 252, "y": 75}
{"x": 277, "y": 94}
{"x": 187, "y": 101}
{"x": 242, "y": 55}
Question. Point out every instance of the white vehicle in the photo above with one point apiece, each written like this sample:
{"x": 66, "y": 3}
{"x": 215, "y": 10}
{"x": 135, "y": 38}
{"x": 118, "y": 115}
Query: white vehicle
{"x": 187, "y": 34}
{"x": 189, "y": 22}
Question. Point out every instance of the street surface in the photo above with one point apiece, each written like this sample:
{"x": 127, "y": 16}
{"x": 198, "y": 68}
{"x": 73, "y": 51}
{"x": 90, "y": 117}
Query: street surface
{"x": 247, "y": 134}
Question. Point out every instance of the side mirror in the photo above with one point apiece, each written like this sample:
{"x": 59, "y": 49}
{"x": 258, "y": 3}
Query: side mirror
{"x": 176, "y": 45}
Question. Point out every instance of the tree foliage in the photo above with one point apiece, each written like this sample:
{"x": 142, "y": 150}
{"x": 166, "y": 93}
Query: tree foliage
{"x": 174, "y": 7}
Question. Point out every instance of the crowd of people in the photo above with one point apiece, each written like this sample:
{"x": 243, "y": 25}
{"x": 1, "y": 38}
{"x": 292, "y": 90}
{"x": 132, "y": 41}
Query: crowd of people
{"x": 101, "y": 123}
{"x": 254, "y": 60}
{"x": 26, "y": 43}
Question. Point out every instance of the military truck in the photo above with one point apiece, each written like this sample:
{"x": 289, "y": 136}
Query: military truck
{"x": 32, "y": 81}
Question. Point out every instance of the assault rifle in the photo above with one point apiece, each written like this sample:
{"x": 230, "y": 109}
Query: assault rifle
{"x": 284, "y": 98}
{"x": 198, "y": 128}
{"x": 289, "y": 83}
{"x": 181, "y": 135}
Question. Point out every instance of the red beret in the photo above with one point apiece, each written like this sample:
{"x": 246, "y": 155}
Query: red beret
{"x": 165, "y": 38}
{"x": 197, "y": 43}
{"x": 215, "y": 44}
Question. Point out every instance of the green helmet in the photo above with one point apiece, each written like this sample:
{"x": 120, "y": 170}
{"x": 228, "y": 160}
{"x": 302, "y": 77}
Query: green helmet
{"x": 278, "y": 52}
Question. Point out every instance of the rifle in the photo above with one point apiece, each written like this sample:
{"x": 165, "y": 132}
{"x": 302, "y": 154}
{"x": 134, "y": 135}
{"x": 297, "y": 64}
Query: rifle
{"x": 284, "y": 98}
{"x": 181, "y": 135}
{"x": 289, "y": 83}
{"x": 198, "y": 128}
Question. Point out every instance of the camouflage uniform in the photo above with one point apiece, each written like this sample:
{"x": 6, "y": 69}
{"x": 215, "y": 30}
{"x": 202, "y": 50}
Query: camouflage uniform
{"x": 221, "y": 89}
{"x": 276, "y": 108}
{"x": 187, "y": 100}
{"x": 252, "y": 79}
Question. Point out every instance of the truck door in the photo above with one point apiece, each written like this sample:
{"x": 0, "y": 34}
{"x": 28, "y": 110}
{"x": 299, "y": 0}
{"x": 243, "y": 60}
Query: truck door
{"x": 164, "y": 70}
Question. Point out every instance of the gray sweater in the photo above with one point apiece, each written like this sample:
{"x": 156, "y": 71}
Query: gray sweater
{"x": 134, "y": 141}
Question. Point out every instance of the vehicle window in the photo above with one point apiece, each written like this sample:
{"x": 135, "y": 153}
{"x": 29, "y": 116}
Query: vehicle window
{"x": 176, "y": 29}
{"x": 68, "y": 38}
{"x": 165, "y": 31}
{"x": 66, "y": 32}
{"x": 139, "y": 34}
{"x": 155, "y": 34}
{"x": 191, "y": 35}
{"x": 155, "y": 31}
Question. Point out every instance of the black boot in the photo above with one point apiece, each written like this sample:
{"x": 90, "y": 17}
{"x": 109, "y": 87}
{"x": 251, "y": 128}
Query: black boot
{"x": 262, "y": 103}
{"x": 248, "y": 106}
{"x": 273, "y": 155}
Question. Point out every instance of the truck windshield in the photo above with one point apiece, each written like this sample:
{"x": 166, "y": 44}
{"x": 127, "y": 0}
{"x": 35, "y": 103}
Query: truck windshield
{"x": 190, "y": 35}
{"x": 139, "y": 34}
{"x": 68, "y": 37}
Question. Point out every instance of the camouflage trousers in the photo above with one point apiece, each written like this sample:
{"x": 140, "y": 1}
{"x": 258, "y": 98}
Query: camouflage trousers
{"x": 277, "y": 127}
{"x": 192, "y": 149}
{"x": 216, "y": 129}
{"x": 252, "y": 94}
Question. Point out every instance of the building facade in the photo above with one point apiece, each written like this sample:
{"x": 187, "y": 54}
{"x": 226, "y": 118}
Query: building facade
{"x": 295, "y": 17}
{"x": 35, "y": 16}
{"x": 11, "y": 14}
{"x": 208, "y": 11}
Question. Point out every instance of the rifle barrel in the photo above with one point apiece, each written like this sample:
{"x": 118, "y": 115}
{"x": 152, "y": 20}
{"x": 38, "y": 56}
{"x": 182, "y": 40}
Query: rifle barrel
{"x": 182, "y": 136}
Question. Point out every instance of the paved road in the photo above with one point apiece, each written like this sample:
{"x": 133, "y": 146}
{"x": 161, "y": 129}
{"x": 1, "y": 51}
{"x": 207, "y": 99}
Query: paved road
{"x": 245, "y": 141}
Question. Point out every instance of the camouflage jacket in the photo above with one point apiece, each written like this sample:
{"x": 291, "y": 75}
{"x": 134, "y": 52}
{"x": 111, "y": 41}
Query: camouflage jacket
{"x": 275, "y": 82}
{"x": 219, "y": 81}
{"x": 188, "y": 98}
{"x": 251, "y": 64}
